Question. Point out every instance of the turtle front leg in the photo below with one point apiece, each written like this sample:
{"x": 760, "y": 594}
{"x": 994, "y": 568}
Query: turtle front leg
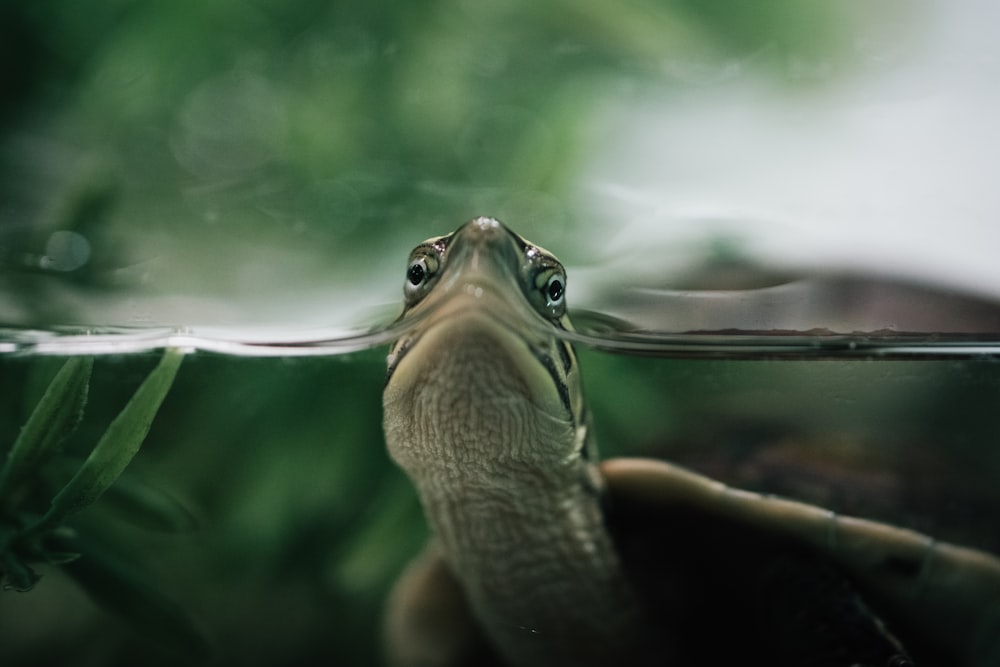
{"x": 428, "y": 620}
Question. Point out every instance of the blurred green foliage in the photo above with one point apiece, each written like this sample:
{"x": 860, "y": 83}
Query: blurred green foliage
{"x": 261, "y": 515}
{"x": 224, "y": 149}
{"x": 41, "y": 490}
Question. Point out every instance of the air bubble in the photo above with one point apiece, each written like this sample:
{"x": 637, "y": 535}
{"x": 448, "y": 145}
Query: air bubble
{"x": 65, "y": 251}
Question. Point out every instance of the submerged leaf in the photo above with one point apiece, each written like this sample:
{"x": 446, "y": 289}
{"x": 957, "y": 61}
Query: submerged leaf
{"x": 16, "y": 574}
{"x": 54, "y": 418}
{"x": 118, "y": 445}
{"x": 149, "y": 507}
{"x": 120, "y": 588}
{"x": 59, "y": 557}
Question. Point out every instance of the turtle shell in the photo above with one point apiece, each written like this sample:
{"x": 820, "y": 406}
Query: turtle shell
{"x": 729, "y": 576}
{"x": 727, "y": 573}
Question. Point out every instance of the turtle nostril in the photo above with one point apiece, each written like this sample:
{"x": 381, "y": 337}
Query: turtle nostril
{"x": 485, "y": 228}
{"x": 486, "y": 224}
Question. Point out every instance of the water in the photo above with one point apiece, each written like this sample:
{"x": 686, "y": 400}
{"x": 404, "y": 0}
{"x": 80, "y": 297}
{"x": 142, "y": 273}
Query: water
{"x": 779, "y": 224}
{"x": 848, "y": 316}
{"x": 595, "y": 333}
{"x": 274, "y": 444}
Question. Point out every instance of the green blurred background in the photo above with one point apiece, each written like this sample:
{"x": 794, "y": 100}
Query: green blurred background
{"x": 240, "y": 162}
{"x": 205, "y": 161}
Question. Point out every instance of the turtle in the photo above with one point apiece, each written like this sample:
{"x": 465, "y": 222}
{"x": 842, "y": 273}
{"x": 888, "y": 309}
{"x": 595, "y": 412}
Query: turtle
{"x": 542, "y": 554}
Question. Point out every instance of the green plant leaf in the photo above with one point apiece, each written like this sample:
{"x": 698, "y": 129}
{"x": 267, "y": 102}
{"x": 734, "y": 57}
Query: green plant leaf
{"x": 17, "y": 574}
{"x": 149, "y": 507}
{"x": 59, "y": 557}
{"x": 54, "y": 418}
{"x": 121, "y": 588}
{"x": 117, "y": 446}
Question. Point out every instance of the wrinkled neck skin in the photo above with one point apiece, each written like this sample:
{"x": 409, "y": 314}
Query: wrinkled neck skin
{"x": 515, "y": 509}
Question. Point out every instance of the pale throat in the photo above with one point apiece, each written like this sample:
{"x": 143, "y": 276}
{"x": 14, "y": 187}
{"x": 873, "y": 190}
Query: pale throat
{"x": 509, "y": 499}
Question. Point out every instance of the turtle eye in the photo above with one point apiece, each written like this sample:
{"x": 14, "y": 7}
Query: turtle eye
{"x": 417, "y": 272}
{"x": 550, "y": 286}
{"x": 554, "y": 290}
{"x": 420, "y": 274}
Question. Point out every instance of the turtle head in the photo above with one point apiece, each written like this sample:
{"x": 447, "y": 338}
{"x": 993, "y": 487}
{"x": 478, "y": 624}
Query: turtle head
{"x": 482, "y": 376}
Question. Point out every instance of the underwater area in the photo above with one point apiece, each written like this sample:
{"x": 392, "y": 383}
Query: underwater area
{"x": 778, "y": 221}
